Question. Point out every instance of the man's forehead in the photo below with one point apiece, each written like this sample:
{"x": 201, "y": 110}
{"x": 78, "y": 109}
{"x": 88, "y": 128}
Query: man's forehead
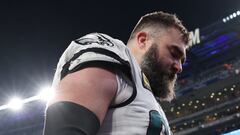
{"x": 176, "y": 38}
{"x": 171, "y": 36}
{"x": 171, "y": 33}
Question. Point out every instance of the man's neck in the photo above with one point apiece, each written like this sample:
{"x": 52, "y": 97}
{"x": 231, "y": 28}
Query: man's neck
{"x": 134, "y": 51}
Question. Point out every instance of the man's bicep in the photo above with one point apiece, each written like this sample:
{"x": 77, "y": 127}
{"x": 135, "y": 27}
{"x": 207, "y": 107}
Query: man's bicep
{"x": 91, "y": 87}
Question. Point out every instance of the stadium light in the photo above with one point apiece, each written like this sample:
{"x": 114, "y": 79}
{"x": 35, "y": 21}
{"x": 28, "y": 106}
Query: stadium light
{"x": 238, "y": 12}
{"x": 15, "y": 104}
{"x": 224, "y": 20}
{"x": 234, "y": 14}
{"x": 46, "y": 93}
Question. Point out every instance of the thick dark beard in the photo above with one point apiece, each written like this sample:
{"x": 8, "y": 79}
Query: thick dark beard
{"x": 161, "y": 80}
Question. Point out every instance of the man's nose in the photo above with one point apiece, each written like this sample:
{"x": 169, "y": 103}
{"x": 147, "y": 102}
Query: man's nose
{"x": 177, "y": 67}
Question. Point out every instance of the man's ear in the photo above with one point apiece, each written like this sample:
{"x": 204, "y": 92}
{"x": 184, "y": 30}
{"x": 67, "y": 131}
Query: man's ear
{"x": 142, "y": 40}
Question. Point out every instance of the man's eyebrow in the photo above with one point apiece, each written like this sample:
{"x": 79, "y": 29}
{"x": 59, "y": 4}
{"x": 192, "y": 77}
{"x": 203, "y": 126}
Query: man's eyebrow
{"x": 180, "y": 53}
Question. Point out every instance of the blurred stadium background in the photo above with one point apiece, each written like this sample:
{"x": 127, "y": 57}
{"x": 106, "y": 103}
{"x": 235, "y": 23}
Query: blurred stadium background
{"x": 208, "y": 90}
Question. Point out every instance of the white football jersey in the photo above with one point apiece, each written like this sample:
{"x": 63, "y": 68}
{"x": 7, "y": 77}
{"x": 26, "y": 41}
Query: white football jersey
{"x": 134, "y": 110}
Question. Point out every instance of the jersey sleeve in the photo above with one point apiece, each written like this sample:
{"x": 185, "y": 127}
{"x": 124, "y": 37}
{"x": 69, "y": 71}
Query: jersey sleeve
{"x": 93, "y": 50}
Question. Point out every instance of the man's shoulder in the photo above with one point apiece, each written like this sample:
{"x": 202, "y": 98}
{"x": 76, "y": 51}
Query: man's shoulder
{"x": 97, "y": 46}
{"x": 99, "y": 39}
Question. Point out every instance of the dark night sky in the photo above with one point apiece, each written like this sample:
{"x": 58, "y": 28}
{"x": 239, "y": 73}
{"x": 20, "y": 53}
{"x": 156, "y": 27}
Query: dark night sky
{"x": 34, "y": 34}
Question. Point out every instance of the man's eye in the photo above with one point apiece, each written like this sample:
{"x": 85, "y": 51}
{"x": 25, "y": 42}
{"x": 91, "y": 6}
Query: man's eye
{"x": 174, "y": 55}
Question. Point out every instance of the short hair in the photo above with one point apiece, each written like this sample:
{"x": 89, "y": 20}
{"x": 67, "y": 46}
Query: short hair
{"x": 161, "y": 19}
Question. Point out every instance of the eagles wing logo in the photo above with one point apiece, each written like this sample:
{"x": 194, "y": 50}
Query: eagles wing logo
{"x": 100, "y": 40}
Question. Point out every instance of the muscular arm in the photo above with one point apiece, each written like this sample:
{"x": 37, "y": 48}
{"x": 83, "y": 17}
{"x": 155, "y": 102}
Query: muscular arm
{"x": 91, "y": 88}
